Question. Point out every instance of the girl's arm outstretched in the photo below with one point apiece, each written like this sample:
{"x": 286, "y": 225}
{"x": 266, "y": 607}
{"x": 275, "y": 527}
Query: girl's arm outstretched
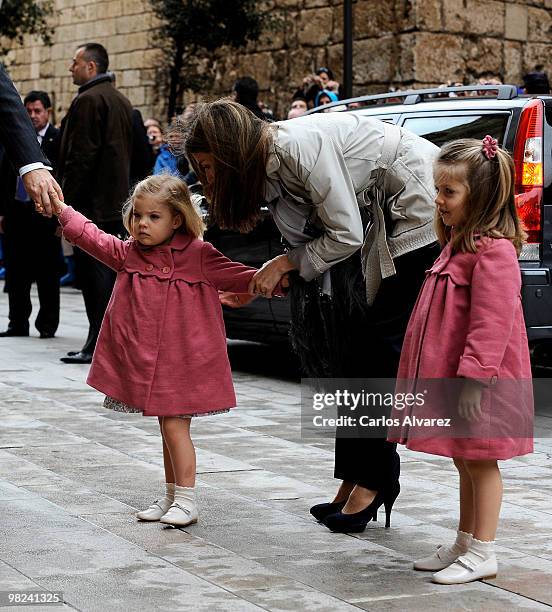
{"x": 80, "y": 231}
{"x": 223, "y": 273}
{"x": 231, "y": 276}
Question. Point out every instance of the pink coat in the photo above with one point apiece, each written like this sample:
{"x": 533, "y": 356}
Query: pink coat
{"x": 162, "y": 345}
{"x": 468, "y": 322}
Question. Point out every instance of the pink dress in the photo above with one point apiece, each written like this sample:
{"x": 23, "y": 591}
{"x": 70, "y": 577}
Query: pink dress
{"x": 162, "y": 344}
{"x": 468, "y": 323}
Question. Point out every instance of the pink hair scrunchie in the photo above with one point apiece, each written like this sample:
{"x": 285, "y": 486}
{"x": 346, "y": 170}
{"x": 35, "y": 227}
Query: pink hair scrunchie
{"x": 490, "y": 146}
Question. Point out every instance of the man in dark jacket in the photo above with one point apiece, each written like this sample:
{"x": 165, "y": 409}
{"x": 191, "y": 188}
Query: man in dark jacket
{"x": 21, "y": 147}
{"x": 94, "y": 163}
{"x": 32, "y": 248}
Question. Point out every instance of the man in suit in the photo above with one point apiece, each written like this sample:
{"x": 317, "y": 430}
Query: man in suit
{"x": 32, "y": 248}
{"x": 93, "y": 168}
{"x": 19, "y": 140}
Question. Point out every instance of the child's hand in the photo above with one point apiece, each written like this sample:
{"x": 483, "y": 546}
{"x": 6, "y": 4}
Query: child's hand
{"x": 57, "y": 205}
{"x": 235, "y": 300}
{"x": 469, "y": 402}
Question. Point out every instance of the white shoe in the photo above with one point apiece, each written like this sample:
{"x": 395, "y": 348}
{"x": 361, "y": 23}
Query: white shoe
{"x": 465, "y": 569}
{"x": 440, "y": 559}
{"x": 159, "y": 507}
{"x": 183, "y": 510}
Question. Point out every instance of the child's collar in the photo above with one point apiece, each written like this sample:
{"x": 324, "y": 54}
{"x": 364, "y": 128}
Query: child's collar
{"x": 178, "y": 243}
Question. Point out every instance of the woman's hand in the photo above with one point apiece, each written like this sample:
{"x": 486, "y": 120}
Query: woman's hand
{"x": 266, "y": 279}
{"x": 235, "y": 300}
{"x": 469, "y": 402}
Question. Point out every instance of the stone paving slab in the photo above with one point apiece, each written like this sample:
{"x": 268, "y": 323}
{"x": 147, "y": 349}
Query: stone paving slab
{"x": 73, "y": 474}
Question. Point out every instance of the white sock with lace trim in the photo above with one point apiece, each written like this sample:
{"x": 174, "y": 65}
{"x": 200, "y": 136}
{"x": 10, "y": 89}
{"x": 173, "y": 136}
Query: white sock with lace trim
{"x": 480, "y": 551}
{"x": 462, "y": 544}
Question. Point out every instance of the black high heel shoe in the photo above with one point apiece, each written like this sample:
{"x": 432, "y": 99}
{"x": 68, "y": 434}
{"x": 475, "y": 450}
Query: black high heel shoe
{"x": 356, "y": 523}
{"x": 389, "y": 499}
{"x": 321, "y": 511}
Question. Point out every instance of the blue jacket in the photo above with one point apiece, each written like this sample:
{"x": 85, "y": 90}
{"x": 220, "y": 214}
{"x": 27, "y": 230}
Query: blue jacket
{"x": 166, "y": 162}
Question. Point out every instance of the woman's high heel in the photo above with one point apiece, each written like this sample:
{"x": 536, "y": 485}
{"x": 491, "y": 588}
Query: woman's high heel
{"x": 389, "y": 498}
{"x": 321, "y": 511}
{"x": 356, "y": 523}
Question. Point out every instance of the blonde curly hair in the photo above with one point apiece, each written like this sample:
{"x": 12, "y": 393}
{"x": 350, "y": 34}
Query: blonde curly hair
{"x": 173, "y": 192}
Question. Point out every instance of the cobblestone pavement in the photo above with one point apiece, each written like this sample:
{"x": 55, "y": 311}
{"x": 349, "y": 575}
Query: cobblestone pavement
{"x": 72, "y": 475}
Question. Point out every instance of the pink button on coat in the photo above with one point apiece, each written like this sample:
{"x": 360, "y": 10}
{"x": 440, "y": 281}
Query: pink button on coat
{"x": 468, "y": 322}
{"x": 162, "y": 345}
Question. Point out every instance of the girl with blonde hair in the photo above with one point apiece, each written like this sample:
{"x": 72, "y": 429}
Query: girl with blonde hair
{"x": 468, "y": 326}
{"x": 162, "y": 346}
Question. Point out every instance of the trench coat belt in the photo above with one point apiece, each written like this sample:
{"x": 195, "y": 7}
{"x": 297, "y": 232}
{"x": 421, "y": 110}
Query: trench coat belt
{"x": 377, "y": 262}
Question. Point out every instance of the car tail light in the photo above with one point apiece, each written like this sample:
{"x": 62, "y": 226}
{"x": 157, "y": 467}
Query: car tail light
{"x": 528, "y": 157}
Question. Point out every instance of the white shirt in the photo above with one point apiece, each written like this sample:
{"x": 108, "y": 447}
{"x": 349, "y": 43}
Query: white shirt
{"x": 40, "y": 134}
{"x": 36, "y": 165}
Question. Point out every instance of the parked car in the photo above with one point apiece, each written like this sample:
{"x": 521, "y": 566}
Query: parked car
{"x": 521, "y": 124}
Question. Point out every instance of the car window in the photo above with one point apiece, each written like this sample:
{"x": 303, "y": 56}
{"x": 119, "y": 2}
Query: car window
{"x": 439, "y": 129}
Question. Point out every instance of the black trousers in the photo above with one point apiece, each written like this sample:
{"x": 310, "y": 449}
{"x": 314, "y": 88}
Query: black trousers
{"x": 96, "y": 281}
{"x": 32, "y": 253}
{"x": 360, "y": 341}
{"x": 375, "y": 353}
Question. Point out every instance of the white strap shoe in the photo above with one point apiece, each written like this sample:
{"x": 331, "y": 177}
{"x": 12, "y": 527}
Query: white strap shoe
{"x": 440, "y": 559}
{"x": 445, "y": 555}
{"x": 467, "y": 569}
{"x": 183, "y": 510}
{"x": 159, "y": 507}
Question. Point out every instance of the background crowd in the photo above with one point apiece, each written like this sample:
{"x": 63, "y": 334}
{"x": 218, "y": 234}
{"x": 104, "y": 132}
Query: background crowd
{"x": 320, "y": 88}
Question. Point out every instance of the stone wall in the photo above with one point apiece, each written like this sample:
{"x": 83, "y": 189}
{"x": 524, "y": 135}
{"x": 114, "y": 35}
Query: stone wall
{"x": 396, "y": 43}
{"x": 124, "y": 27}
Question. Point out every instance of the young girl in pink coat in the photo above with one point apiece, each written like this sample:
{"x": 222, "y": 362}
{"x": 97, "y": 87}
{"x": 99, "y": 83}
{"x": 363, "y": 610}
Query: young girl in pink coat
{"x": 468, "y": 324}
{"x": 162, "y": 346}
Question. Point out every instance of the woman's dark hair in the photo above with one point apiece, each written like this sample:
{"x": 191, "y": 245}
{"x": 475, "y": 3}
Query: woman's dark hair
{"x": 327, "y": 71}
{"x": 239, "y": 143}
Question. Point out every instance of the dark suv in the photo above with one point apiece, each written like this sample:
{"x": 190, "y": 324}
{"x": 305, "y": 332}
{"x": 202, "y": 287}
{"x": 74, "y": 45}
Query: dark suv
{"x": 521, "y": 124}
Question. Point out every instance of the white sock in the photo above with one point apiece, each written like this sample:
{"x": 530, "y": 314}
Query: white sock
{"x": 185, "y": 498}
{"x": 480, "y": 551}
{"x": 462, "y": 544}
{"x": 184, "y": 493}
{"x": 169, "y": 493}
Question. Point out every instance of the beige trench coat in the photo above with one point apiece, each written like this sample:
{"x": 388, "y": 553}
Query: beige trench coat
{"x": 329, "y": 165}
